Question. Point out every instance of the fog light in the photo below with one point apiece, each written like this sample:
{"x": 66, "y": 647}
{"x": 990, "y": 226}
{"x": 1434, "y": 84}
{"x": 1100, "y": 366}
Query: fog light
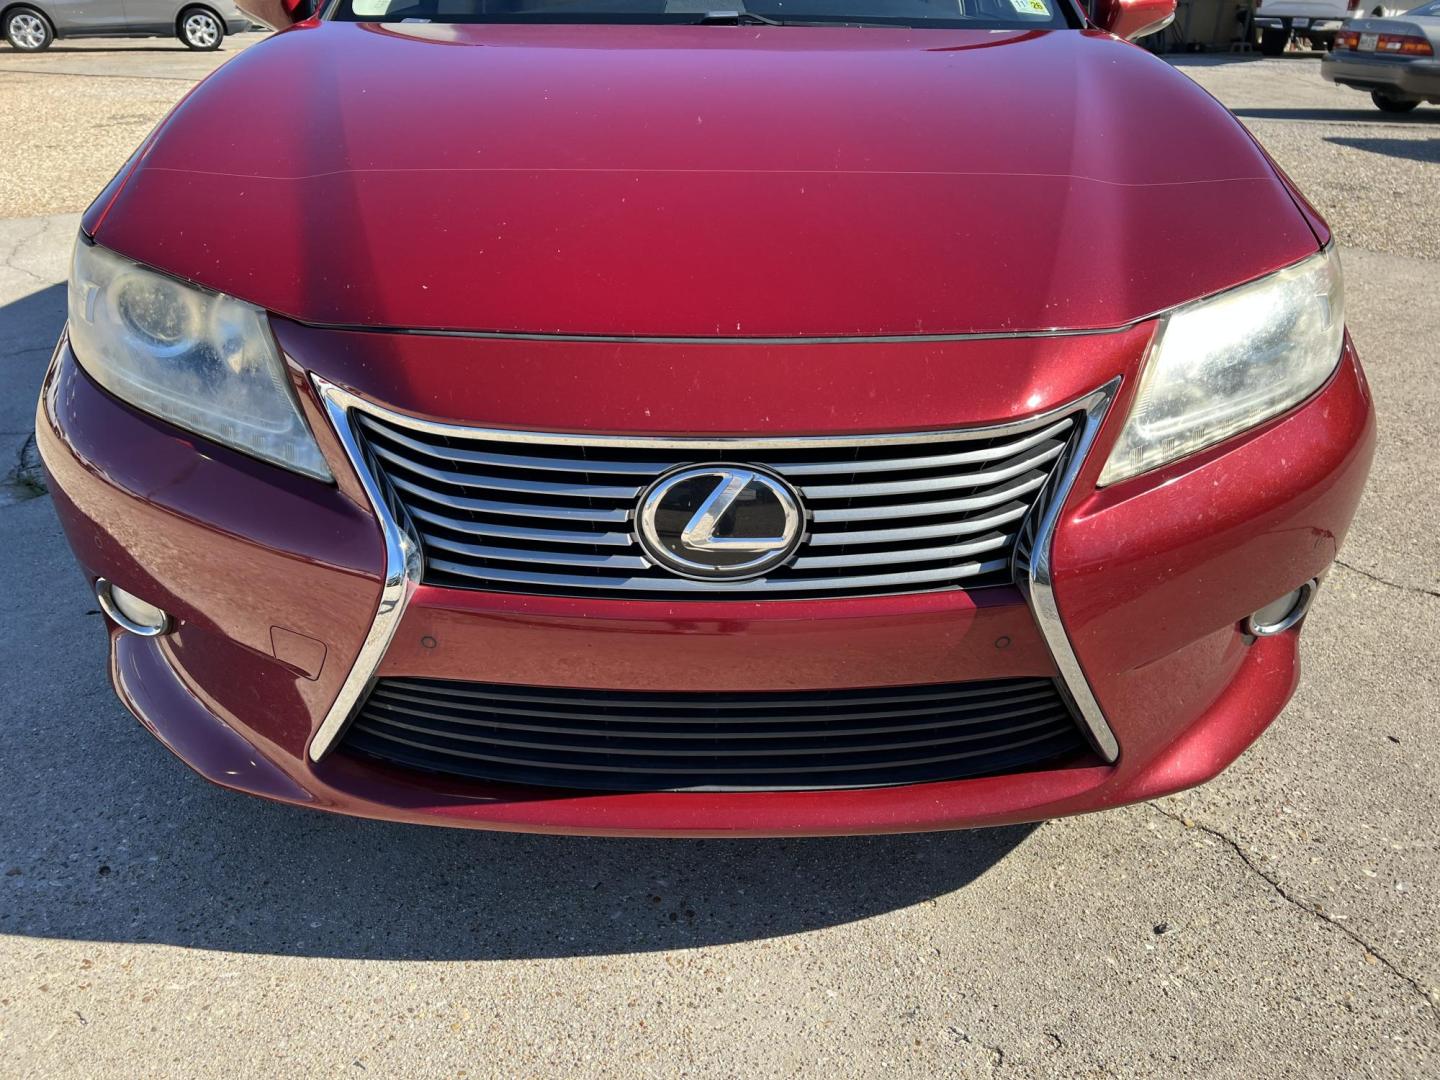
{"x": 1280, "y": 615}
{"x": 129, "y": 612}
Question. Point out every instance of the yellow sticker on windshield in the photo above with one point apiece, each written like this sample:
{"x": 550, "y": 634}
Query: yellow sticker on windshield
{"x": 1030, "y": 7}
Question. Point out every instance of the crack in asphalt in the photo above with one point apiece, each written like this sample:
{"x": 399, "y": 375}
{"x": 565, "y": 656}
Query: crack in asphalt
{"x": 25, "y": 481}
{"x": 1420, "y": 590}
{"x": 1280, "y": 890}
{"x": 9, "y": 260}
{"x": 12, "y": 354}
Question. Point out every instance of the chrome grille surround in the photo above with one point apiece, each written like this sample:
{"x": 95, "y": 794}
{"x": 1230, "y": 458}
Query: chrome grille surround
{"x": 536, "y": 512}
{"x": 1030, "y": 566}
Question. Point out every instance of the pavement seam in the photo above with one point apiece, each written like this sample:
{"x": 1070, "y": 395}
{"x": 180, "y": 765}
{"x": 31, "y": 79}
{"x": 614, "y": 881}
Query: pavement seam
{"x": 1427, "y": 996}
{"x": 1420, "y": 590}
{"x": 100, "y": 75}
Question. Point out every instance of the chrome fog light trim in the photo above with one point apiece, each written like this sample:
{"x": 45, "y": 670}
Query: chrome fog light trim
{"x": 1281, "y": 614}
{"x": 129, "y": 612}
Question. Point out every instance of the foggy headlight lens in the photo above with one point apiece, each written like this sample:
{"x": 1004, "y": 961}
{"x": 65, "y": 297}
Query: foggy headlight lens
{"x": 1222, "y": 365}
{"x": 202, "y": 360}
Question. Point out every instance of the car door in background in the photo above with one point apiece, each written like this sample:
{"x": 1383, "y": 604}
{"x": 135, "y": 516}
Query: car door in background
{"x": 86, "y": 16}
{"x": 151, "y": 16}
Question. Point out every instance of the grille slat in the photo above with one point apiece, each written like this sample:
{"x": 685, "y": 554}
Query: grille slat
{"x": 778, "y": 740}
{"x": 509, "y": 461}
{"x": 962, "y": 527}
{"x": 492, "y": 506}
{"x": 911, "y": 555}
{"x": 752, "y": 701}
{"x": 552, "y": 558}
{"x": 509, "y": 485}
{"x": 555, "y": 515}
{"x": 1031, "y": 460}
{"x": 389, "y": 699}
{"x": 931, "y": 461}
{"x": 566, "y": 582}
{"x": 461, "y": 729}
{"x": 519, "y": 532}
{"x": 1024, "y": 486}
{"x": 737, "y": 745}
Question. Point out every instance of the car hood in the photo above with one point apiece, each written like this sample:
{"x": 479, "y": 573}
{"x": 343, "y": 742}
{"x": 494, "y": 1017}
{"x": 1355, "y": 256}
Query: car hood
{"x": 701, "y": 181}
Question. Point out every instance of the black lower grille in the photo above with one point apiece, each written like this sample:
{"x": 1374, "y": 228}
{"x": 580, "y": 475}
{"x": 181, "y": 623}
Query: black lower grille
{"x": 620, "y": 740}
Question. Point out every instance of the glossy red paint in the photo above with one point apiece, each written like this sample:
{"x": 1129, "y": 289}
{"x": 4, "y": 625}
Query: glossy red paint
{"x": 722, "y": 193}
{"x": 715, "y": 389}
{"x": 243, "y": 718}
{"x": 705, "y": 181}
{"x": 798, "y": 645}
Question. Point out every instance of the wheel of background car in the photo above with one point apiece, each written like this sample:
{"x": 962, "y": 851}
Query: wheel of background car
{"x": 27, "y": 30}
{"x": 1385, "y": 103}
{"x": 201, "y": 29}
{"x": 1273, "y": 42}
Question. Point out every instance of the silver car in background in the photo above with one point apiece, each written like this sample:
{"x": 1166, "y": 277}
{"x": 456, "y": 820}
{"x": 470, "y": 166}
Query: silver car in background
{"x": 31, "y": 25}
{"x": 1397, "y": 59}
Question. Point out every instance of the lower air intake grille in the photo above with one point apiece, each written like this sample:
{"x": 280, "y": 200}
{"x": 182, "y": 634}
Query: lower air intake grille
{"x": 620, "y": 740}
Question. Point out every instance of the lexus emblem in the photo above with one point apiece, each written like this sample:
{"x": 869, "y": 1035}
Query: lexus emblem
{"x": 720, "y": 521}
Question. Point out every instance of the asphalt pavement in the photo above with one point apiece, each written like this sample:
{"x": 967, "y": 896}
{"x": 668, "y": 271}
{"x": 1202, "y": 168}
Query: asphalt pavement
{"x": 1282, "y": 921}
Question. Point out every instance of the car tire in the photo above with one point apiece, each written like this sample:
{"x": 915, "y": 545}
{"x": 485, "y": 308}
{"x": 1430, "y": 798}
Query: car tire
{"x": 28, "y": 30}
{"x": 1385, "y": 103}
{"x": 1273, "y": 42}
{"x": 200, "y": 29}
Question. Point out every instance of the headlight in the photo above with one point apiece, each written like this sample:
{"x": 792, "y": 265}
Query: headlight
{"x": 199, "y": 359}
{"x": 1222, "y": 365}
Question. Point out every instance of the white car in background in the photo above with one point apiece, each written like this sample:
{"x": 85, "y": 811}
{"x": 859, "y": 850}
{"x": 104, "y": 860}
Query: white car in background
{"x": 1280, "y": 20}
{"x": 1396, "y": 59}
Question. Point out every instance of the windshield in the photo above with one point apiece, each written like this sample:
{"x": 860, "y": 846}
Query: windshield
{"x": 965, "y": 14}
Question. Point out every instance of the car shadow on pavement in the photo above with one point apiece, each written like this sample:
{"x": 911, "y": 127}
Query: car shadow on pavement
{"x": 173, "y": 47}
{"x": 1409, "y": 149}
{"x": 1228, "y": 59}
{"x": 28, "y": 329}
{"x": 30, "y": 325}
{"x": 1366, "y": 114}
{"x": 106, "y": 837}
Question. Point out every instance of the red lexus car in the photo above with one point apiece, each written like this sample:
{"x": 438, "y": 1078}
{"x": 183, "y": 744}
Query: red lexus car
{"x": 626, "y": 416}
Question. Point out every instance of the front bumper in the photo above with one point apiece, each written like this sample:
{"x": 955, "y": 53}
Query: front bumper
{"x": 1408, "y": 78}
{"x": 274, "y": 580}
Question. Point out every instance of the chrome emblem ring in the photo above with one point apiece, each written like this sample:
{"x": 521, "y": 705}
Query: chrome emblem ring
{"x": 720, "y": 521}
